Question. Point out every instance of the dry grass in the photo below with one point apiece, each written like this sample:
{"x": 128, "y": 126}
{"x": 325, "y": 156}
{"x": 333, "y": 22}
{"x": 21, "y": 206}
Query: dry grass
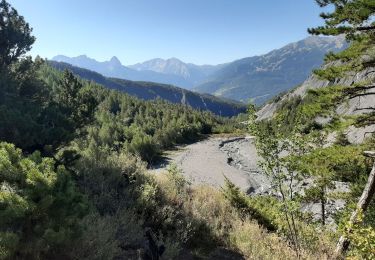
{"x": 244, "y": 236}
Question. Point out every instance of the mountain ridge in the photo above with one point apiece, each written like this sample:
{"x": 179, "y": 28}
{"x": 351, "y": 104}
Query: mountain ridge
{"x": 256, "y": 79}
{"x": 259, "y": 78}
{"x": 114, "y": 68}
{"x": 151, "y": 90}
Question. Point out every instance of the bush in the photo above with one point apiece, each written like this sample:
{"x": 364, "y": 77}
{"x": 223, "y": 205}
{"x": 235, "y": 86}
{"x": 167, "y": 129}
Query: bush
{"x": 40, "y": 207}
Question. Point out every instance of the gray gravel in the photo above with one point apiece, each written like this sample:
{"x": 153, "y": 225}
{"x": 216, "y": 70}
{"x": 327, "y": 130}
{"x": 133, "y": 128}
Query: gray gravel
{"x": 208, "y": 161}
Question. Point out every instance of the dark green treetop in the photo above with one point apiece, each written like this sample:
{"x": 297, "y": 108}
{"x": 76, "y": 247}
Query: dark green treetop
{"x": 350, "y": 17}
{"x": 15, "y": 35}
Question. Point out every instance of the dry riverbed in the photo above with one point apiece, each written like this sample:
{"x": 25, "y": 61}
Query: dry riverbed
{"x": 208, "y": 161}
{"x": 211, "y": 160}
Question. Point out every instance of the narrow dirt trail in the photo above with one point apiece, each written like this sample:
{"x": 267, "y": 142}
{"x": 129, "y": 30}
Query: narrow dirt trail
{"x": 208, "y": 161}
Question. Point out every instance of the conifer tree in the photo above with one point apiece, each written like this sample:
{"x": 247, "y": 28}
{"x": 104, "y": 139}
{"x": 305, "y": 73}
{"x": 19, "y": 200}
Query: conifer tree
{"x": 39, "y": 206}
{"x": 350, "y": 17}
{"x": 354, "y": 19}
{"x": 15, "y": 35}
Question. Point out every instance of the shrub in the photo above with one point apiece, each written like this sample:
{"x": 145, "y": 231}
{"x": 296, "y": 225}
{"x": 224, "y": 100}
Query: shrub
{"x": 40, "y": 207}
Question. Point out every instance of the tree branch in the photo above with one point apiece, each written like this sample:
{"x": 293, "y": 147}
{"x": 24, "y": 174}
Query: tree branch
{"x": 362, "y": 95}
{"x": 358, "y": 88}
{"x": 369, "y": 72}
{"x": 364, "y": 108}
{"x": 365, "y": 28}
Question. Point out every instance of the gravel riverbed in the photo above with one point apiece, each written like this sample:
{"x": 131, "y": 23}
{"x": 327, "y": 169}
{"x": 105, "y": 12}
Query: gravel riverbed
{"x": 208, "y": 161}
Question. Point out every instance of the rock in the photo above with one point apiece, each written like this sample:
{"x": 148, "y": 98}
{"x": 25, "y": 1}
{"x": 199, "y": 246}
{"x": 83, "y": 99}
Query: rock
{"x": 358, "y": 135}
{"x": 314, "y": 82}
{"x": 323, "y": 120}
{"x": 331, "y": 139}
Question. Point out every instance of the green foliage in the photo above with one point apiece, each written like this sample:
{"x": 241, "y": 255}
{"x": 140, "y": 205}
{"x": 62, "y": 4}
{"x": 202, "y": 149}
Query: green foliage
{"x": 296, "y": 112}
{"x": 76, "y": 104}
{"x": 344, "y": 163}
{"x": 354, "y": 19}
{"x": 349, "y": 17}
{"x": 40, "y": 206}
{"x": 362, "y": 239}
{"x": 15, "y": 35}
{"x": 32, "y": 115}
{"x": 246, "y": 206}
{"x": 348, "y": 61}
{"x": 281, "y": 170}
{"x": 269, "y": 212}
{"x": 365, "y": 120}
{"x": 103, "y": 137}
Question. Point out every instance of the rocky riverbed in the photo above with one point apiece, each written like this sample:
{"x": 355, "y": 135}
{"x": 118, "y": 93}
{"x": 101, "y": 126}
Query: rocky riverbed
{"x": 211, "y": 160}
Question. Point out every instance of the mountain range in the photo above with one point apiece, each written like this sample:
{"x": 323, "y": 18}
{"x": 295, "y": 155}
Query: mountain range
{"x": 151, "y": 90}
{"x": 259, "y": 78}
{"x": 171, "y": 71}
{"x": 256, "y": 79}
{"x": 194, "y": 74}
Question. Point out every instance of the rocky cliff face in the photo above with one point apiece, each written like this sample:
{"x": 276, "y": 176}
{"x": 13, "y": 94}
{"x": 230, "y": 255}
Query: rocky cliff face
{"x": 355, "y": 106}
{"x": 351, "y": 107}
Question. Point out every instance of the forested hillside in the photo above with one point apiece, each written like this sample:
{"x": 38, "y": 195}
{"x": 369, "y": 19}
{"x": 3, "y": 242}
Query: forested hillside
{"x": 150, "y": 90}
{"x": 73, "y": 158}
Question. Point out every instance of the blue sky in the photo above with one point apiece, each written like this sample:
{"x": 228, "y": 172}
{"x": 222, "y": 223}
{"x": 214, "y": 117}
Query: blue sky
{"x": 197, "y": 31}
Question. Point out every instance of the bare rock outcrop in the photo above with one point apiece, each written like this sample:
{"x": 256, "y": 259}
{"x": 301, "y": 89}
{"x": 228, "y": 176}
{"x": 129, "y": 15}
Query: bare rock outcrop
{"x": 314, "y": 82}
{"x": 355, "y": 106}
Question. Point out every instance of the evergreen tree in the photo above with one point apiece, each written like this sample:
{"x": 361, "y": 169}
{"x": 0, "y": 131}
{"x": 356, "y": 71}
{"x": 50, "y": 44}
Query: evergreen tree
{"x": 15, "y": 35}
{"x": 39, "y": 206}
{"x": 354, "y": 19}
{"x": 350, "y": 17}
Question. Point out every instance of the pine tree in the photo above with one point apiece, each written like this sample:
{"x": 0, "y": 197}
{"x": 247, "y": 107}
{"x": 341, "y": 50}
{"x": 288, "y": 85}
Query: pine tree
{"x": 15, "y": 35}
{"x": 350, "y": 17}
{"x": 39, "y": 206}
{"x": 354, "y": 19}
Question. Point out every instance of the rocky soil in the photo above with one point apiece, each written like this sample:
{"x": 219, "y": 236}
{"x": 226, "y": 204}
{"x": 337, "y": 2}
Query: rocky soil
{"x": 211, "y": 160}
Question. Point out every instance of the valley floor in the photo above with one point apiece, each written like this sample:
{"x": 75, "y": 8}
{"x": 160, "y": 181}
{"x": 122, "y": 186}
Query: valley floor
{"x": 211, "y": 160}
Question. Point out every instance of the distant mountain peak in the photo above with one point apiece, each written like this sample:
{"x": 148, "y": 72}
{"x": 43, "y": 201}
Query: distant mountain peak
{"x": 174, "y": 59}
{"x": 115, "y": 61}
{"x": 82, "y": 56}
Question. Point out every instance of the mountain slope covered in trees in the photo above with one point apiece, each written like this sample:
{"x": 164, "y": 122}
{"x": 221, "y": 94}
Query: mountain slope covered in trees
{"x": 150, "y": 90}
{"x": 331, "y": 116}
